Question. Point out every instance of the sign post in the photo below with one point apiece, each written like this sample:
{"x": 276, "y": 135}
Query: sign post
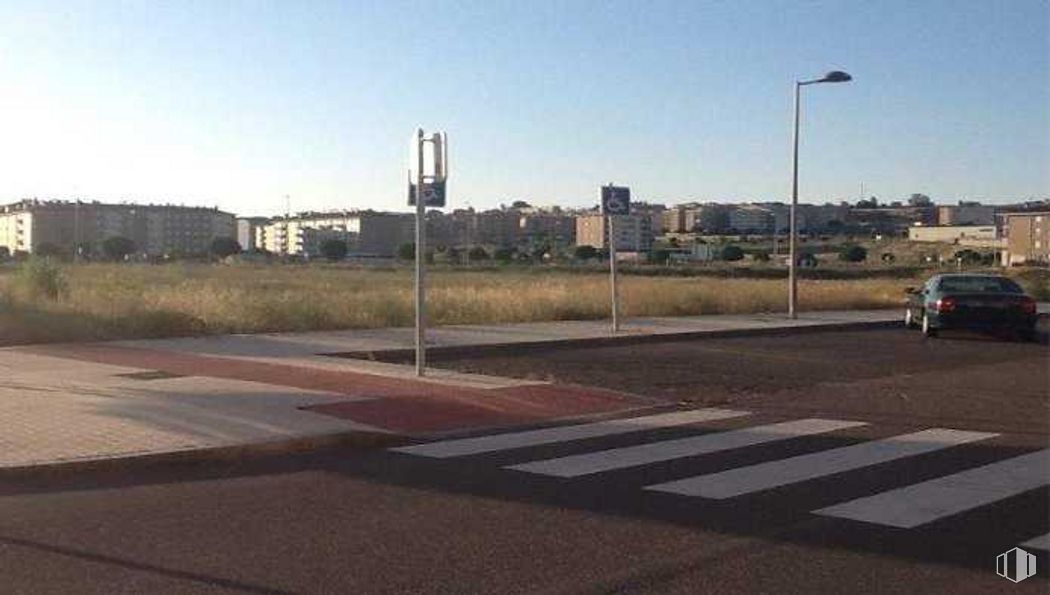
{"x": 616, "y": 200}
{"x": 427, "y": 191}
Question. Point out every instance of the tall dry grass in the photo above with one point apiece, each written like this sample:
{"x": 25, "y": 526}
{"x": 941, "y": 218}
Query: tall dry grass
{"x": 122, "y": 301}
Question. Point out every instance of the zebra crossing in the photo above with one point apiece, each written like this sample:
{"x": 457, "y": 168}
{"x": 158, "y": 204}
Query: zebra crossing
{"x": 906, "y": 507}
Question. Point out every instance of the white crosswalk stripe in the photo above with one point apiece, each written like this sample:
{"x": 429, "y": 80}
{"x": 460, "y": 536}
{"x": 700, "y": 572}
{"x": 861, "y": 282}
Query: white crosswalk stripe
{"x": 906, "y": 507}
{"x": 928, "y": 501}
{"x": 764, "y": 476}
{"x": 493, "y": 443}
{"x": 633, "y": 456}
{"x": 1040, "y": 543}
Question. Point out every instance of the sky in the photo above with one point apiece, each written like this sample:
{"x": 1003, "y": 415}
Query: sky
{"x": 239, "y": 104}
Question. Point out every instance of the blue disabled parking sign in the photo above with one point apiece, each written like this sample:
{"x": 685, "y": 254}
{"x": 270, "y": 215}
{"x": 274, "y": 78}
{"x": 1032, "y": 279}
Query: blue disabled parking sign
{"x": 616, "y": 200}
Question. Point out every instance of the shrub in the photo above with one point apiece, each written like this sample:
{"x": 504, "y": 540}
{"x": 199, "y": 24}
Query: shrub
{"x": 48, "y": 250}
{"x": 808, "y": 260}
{"x": 477, "y": 253}
{"x": 888, "y": 257}
{"x": 505, "y": 254}
{"x": 406, "y": 251}
{"x": 853, "y": 253}
{"x": 334, "y": 250}
{"x": 223, "y": 247}
{"x": 659, "y": 256}
{"x": 968, "y": 256}
{"x": 5, "y": 253}
{"x": 761, "y": 256}
{"x": 585, "y": 253}
{"x": 732, "y": 253}
{"x": 40, "y": 278}
{"x": 117, "y": 247}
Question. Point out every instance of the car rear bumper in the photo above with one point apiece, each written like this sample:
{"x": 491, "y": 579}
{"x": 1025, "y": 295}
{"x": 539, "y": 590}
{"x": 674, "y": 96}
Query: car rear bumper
{"x": 982, "y": 321}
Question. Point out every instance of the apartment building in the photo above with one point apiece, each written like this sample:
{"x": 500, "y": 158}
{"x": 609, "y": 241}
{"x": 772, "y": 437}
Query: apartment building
{"x": 1027, "y": 238}
{"x": 367, "y": 233}
{"x": 633, "y": 233}
{"x": 751, "y": 219}
{"x": 969, "y": 235}
{"x": 966, "y": 214}
{"x": 247, "y": 230}
{"x": 156, "y": 230}
{"x": 708, "y": 218}
{"x": 552, "y": 226}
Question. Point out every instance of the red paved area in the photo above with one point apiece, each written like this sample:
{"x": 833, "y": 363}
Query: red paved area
{"x": 400, "y": 405}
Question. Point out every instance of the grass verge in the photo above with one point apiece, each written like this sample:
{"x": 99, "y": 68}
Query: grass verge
{"x": 100, "y": 301}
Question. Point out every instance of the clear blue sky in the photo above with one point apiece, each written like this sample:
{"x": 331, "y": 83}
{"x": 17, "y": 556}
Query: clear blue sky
{"x": 238, "y": 104}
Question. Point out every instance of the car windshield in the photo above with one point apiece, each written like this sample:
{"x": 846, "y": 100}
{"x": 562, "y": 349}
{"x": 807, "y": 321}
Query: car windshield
{"x": 979, "y": 285}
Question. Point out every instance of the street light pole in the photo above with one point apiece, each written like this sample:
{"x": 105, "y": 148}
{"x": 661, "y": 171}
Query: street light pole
{"x": 835, "y": 76}
{"x": 792, "y": 221}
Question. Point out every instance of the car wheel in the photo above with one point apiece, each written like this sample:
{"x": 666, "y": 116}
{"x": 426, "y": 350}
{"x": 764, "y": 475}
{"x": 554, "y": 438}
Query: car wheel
{"x": 909, "y": 319}
{"x": 1027, "y": 335}
{"x": 927, "y": 330}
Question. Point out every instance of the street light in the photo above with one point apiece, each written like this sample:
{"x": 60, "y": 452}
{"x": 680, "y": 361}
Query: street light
{"x": 835, "y": 76}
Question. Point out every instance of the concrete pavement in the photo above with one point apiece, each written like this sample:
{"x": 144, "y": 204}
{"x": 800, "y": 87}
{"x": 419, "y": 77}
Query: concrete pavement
{"x": 68, "y": 403}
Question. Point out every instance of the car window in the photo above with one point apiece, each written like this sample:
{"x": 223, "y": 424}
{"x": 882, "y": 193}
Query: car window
{"x": 979, "y": 285}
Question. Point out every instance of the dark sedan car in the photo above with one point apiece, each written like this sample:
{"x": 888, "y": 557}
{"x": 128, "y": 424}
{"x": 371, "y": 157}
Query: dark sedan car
{"x": 971, "y": 302}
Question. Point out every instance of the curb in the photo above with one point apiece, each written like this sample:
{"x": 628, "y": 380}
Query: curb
{"x": 239, "y": 453}
{"x": 452, "y": 351}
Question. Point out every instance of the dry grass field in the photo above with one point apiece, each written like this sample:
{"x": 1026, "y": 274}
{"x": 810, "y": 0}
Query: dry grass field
{"x": 105, "y": 301}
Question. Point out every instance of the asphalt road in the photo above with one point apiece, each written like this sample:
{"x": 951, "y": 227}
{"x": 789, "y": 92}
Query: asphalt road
{"x": 362, "y": 521}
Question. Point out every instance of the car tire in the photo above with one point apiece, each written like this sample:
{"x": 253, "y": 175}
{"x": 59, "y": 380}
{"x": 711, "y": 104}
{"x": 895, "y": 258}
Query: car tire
{"x": 927, "y": 329}
{"x": 909, "y": 319}
{"x": 1027, "y": 335}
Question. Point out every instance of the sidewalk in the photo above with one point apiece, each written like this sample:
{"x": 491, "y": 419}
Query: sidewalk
{"x": 84, "y": 402}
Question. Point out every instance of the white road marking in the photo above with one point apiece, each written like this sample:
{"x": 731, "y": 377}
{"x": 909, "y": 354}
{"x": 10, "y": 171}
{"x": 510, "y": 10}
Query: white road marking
{"x": 633, "y": 456}
{"x": 469, "y": 446}
{"x": 928, "y": 501}
{"x": 1040, "y": 543}
{"x": 765, "y": 476}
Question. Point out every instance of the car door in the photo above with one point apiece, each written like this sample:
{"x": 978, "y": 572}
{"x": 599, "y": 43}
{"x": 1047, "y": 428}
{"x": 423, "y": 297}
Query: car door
{"x": 923, "y": 296}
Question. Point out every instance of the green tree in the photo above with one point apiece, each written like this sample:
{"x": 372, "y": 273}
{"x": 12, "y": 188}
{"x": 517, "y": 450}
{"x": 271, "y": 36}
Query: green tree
{"x": 223, "y": 247}
{"x": 505, "y": 254}
{"x": 477, "y": 253}
{"x": 920, "y": 200}
{"x": 540, "y": 251}
{"x": 118, "y": 247}
{"x": 49, "y": 250}
{"x": 585, "y": 253}
{"x": 968, "y": 256}
{"x": 334, "y": 250}
{"x": 732, "y": 253}
{"x": 453, "y": 255}
{"x": 660, "y": 256}
{"x": 406, "y": 251}
{"x": 853, "y": 253}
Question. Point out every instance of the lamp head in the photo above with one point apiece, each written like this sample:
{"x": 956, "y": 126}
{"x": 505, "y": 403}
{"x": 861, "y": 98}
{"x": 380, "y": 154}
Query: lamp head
{"x": 836, "y": 76}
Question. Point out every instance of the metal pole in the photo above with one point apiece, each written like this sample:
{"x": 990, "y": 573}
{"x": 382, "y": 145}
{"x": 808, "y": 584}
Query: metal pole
{"x": 793, "y": 233}
{"x": 612, "y": 273}
{"x": 421, "y": 348}
{"x": 76, "y": 231}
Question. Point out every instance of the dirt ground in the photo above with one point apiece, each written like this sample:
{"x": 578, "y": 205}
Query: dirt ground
{"x": 959, "y": 378}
